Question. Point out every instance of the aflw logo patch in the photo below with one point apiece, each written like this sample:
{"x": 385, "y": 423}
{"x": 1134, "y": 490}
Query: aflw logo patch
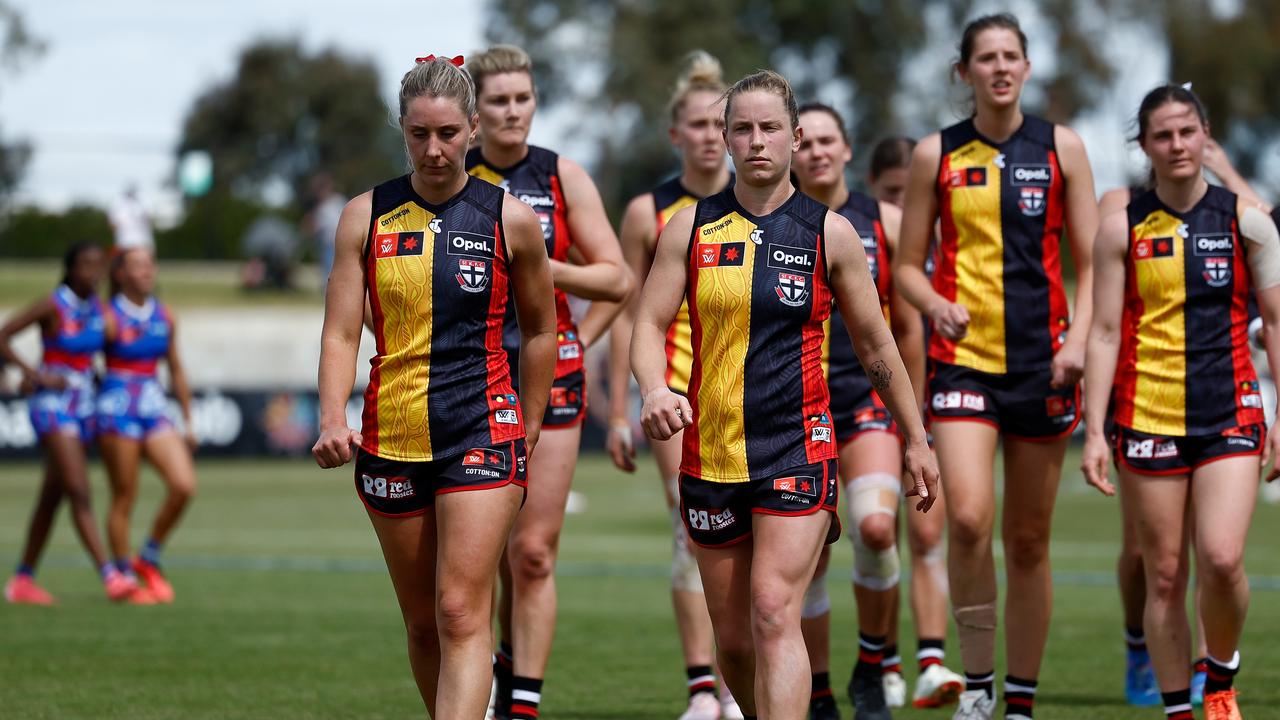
{"x": 1146, "y": 248}
{"x": 389, "y": 245}
{"x": 721, "y": 254}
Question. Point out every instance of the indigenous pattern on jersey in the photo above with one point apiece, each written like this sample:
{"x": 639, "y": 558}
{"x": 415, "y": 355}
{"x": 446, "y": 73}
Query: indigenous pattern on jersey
{"x": 68, "y": 352}
{"x": 669, "y": 198}
{"x": 1001, "y": 207}
{"x": 535, "y": 181}
{"x": 131, "y": 401}
{"x": 758, "y": 297}
{"x": 1184, "y": 365}
{"x": 438, "y": 287}
{"x": 851, "y": 394}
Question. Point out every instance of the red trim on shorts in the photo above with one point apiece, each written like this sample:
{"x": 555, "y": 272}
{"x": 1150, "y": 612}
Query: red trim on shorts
{"x": 466, "y": 488}
{"x": 816, "y": 397}
{"x": 137, "y": 366}
{"x": 944, "y": 273}
{"x": 1050, "y": 254}
{"x": 892, "y": 430}
{"x": 392, "y": 516}
{"x": 1216, "y": 458}
{"x": 731, "y": 543}
{"x": 974, "y": 419}
{"x": 1045, "y": 439}
{"x": 1120, "y": 459}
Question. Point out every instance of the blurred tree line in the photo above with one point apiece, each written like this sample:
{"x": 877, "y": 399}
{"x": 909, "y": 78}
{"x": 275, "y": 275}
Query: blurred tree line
{"x": 287, "y": 113}
{"x": 865, "y": 56}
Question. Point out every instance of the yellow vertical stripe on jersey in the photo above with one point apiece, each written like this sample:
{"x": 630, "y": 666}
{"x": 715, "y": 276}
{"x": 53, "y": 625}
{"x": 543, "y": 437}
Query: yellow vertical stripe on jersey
{"x": 724, "y": 313}
{"x": 826, "y": 349}
{"x": 680, "y": 362}
{"x": 1160, "y": 394}
{"x": 979, "y": 259}
{"x": 404, "y": 286}
{"x": 483, "y": 172}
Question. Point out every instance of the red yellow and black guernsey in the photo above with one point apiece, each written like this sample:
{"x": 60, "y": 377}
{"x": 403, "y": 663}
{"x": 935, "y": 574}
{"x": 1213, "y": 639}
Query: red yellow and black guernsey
{"x": 758, "y": 296}
{"x": 1184, "y": 367}
{"x": 438, "y": 287}
{"x": 1001, "y": 207}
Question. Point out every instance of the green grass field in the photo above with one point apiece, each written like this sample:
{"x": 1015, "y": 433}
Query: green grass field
{"x": 181, "y": 284}
{"x": 284, "y": 610}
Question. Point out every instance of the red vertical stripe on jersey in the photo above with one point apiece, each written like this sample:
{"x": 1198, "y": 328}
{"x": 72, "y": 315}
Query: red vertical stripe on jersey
{"x": 1241, "y": 361}
{"x": 369, "y": 421}
{"x": 1126, "y": 376}
{"x": 691, "y": 462}
{"x": 498, "y": 382}
{"x": 884, "y": 267}
{"x": 944, "y": 274}
{"x": 560, "y": 251}
{"x": 814, "y": 381}
{"x": 1051, "y": 255}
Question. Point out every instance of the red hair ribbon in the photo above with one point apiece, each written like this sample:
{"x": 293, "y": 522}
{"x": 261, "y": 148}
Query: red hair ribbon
{"x": 457, "y": 60}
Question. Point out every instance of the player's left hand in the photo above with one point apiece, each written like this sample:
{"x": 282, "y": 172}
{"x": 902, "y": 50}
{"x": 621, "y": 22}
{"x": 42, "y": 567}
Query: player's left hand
{"x": 1271, "y": 451}
{"x": 1068, "y": 365}
{"x": 922, "y": 466}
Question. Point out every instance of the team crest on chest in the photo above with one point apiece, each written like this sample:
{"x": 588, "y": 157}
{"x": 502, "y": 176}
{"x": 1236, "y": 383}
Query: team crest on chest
{"x": 473, "y": 275}
{"x": 1031, "y": 201}
{"x": 792, "y": 289}
{"x": 1217, "y": 271}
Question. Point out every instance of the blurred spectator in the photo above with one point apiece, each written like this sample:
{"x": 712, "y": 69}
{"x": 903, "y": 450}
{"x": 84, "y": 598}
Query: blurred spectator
{"x": 270, "y": 245}
{"x": 130, "y": 224}
{"x": 322, "y": 222}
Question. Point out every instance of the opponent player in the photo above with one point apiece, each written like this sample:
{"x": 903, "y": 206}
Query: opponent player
{"x": 572, "y": 216}
{"x": 1173, "y": 279}
{"x": 760, "y": 264}
{"x": 887, "y": 179}
{"x": 441, "y": 458}
{"x": 132, "y": 416}
{"x": 1005, "y": 357}
{"x": 1140, "y": 680}
{"x": 870, "y": 450}
{"x": 697, "y": 133}
{"x": 71, "y": 328}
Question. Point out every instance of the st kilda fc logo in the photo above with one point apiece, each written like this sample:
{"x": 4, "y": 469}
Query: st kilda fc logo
{"x": 792, "y": 289}
{"x": 473, "y": 275}
{"x": 1031, "y": 201}
{"x": 1217, "y": 271}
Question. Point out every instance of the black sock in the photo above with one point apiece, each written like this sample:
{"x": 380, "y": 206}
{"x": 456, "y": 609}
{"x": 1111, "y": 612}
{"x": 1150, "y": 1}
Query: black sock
{"x": 981, "y": 681}
{"x": 1221, "y": 675}
{"x": 1135, "y": 639}
{"x": 700, "y": 679}
{"x": 870, "y": 654}
{"x": 1177, "y": 705}
{"x": 892, "y": 661}
{"x": 820, "y": 690}
{"x": 526, "y": 693}
{"x": 1019, "y": 697}
{"x": 502, "y": 664}
{"x": 930, "y": 651}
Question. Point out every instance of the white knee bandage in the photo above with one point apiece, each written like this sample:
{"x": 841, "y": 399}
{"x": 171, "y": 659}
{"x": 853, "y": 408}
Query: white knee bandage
{"x": 816, "y": 600}
{"x": 872, "y": 569}
{"x": 684, "y": 568}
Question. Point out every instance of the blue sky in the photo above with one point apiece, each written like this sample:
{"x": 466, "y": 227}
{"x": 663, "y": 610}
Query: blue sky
{"x": 104, "y": 105}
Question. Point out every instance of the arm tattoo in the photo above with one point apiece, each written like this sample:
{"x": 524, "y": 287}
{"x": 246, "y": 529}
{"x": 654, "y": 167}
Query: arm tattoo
{"x": 880, "y": 375}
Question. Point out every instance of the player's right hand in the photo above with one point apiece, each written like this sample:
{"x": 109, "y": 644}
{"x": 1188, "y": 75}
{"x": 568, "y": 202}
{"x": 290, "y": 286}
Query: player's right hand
{"x": 621, "y": 446}
{"x": 951, "y": 320}
{"x": 1094, "y": 461}
{"x": 665, "y": 413}
{"x": 336, "y": 446}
